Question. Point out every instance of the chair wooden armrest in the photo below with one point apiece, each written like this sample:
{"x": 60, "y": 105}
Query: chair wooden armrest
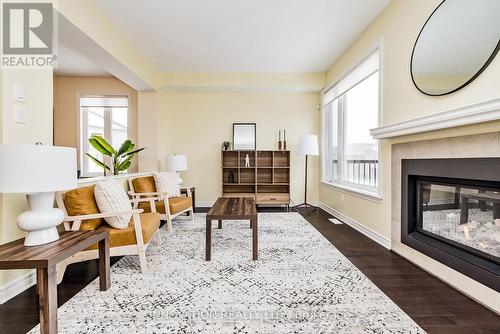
{"x": 157, "y": 194}
{"x": 145, "y": 199}
{"x": 102, "y": 215}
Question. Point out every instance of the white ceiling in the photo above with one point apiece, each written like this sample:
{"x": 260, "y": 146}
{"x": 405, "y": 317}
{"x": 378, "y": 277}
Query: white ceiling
{"x": 256, "y": 36}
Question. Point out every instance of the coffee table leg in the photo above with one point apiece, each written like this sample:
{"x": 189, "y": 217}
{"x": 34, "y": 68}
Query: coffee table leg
{"x": 47, "y": 287}
{"x": 104, "y": 275}
{"x": 220, "y": 224}
{"x": 255, "y": 242}
{"x": 208, "y": 241}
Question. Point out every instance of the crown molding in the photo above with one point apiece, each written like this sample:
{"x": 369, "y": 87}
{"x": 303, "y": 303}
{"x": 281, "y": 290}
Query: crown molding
{"x": 471, "y": 114}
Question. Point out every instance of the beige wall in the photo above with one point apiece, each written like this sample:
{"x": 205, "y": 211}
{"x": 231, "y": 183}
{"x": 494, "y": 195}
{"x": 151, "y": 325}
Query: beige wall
{"x": 67, "y": 91}
{"x": 148, "y": 130}
{"x": 38, "y": 96}
{"x": 395, "y": 30}
{"x": 196, "y": 124}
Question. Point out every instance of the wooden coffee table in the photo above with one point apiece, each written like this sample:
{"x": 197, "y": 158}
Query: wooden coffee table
{"x": 44, "y": 258}
{"x": 236, "y": 208}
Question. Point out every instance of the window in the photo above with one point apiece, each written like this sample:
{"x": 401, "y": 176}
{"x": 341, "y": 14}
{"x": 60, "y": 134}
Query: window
{"x": 350, "y": 110}
{"x": 106, "y": 116}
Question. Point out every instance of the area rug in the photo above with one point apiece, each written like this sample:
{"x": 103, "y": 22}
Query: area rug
{"x": 300, "y": 284}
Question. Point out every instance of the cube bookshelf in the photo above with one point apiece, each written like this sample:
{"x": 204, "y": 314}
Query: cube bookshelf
{"x": 267, "y": 180}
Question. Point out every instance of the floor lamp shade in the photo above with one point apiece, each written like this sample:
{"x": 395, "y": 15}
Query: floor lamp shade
{"x": 38, "y": 171}
{"x": 308, "y": 145}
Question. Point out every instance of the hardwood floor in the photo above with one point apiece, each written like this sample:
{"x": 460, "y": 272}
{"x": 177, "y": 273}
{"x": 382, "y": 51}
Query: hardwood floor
{"x": 434, "y": 305}
{"x": 431, "y": 303}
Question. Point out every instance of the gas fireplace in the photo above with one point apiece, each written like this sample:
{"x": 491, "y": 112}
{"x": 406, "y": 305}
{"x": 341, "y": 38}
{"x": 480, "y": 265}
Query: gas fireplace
{"x": 451, "y": 212}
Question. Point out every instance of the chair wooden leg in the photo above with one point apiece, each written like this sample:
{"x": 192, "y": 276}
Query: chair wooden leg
{"x": 191, "y": 214}
{"x": 142, "y": 259}
{"x": 60, "y": 268}
{"x": 169, "y": 223}
{"x": 158, "y": 238}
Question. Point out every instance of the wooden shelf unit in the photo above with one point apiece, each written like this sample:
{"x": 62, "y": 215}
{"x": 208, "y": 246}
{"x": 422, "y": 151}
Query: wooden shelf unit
{"x": 267, "y": 180}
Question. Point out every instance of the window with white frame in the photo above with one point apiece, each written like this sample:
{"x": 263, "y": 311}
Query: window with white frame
{"x": 350, "y": 110}
{"x": 106, "y": 116}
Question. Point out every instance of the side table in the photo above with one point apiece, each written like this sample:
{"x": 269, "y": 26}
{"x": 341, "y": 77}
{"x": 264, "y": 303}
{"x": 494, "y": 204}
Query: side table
{"x": 44, "y": 258}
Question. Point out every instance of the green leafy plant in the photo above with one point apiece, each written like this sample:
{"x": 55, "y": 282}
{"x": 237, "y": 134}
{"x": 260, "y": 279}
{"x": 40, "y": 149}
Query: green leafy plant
{"x": 120, "y": 159}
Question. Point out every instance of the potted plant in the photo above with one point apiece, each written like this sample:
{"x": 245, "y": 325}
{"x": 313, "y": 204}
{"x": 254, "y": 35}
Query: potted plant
{"x": 120, "y": 159}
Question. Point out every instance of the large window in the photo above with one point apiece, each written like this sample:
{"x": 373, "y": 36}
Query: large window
{"x": 106, "y": 116}
{"x": 350, "y": 110}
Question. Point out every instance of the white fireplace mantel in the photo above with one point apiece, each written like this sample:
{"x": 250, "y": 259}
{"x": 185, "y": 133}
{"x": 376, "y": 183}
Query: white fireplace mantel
{"x": 472, "y": 114}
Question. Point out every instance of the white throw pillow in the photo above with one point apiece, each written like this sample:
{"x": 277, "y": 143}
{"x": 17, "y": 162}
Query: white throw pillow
{"x": 111, "y": 197}
{"x": 167, "y": 182}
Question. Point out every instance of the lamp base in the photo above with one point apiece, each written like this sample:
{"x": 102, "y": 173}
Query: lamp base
{"x": 42, "y": 237}
{"x": 307, "y": 206}
{"x": 179, "y": 179}
{"x": 41, "y": 221}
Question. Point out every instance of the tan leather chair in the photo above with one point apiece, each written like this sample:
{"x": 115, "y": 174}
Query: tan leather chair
{"x": 81, "y": 213}
{"x": 145, "y": 196}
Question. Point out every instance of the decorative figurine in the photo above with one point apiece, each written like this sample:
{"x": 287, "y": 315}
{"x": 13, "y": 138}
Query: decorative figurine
{"x": 279, "y": 140}
{"x": 247, "y": 161}
{"x": 230, "y": 178}
{"x": 226, "y": 145}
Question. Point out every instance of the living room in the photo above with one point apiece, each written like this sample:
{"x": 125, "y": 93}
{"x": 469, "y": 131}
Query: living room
{"x": 358, "y": 140}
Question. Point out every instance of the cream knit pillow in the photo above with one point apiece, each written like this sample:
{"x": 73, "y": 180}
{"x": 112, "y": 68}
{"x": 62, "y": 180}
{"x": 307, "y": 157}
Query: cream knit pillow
{"x": 167, "y": 182}
{"x": 111, "y": 197}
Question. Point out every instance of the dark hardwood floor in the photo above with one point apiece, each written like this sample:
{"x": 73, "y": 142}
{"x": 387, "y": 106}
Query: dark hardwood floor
{"x": 434, "y": 305}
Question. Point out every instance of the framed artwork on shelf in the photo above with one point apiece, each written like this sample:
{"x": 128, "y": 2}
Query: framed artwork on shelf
{"x": 244, "y": 136}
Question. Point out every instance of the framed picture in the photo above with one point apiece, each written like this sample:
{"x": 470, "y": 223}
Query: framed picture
{"x": 244, "y": 136}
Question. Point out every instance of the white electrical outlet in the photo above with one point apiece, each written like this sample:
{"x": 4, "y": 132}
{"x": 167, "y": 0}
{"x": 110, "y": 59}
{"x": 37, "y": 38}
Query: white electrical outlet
{"x": 19, "y": 93}
{"x": 20, "y": 114}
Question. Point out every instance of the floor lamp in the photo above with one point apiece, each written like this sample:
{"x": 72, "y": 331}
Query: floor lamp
{"x": 308, "y": 145}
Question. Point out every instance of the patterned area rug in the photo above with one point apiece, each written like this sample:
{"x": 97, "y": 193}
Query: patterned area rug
{"x": 300, "y": 284}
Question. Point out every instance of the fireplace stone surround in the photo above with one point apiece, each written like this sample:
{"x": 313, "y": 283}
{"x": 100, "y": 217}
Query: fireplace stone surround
{"x": 485, "y": 145}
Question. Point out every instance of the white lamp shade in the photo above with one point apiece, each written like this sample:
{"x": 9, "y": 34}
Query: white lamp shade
{"x": 308, "y": 145}
{"x": 36, "y": 168}
{"x": 177, "y": 163}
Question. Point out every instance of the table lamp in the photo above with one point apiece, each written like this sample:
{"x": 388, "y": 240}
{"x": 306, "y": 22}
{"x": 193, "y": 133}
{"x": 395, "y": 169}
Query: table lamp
{"x": 177, "y": 163}
{"x": 308, "y": 145}
{"x": 38, "y": 171}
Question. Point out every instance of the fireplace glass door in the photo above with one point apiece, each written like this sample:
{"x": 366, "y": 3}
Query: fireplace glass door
{"x": 463, "y": 215}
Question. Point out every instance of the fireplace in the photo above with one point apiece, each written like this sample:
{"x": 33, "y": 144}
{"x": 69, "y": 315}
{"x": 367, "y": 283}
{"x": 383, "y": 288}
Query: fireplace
{"x": 450, "y": 211}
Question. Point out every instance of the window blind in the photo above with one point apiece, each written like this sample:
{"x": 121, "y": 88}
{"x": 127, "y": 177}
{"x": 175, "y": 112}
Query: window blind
{"x": 359, "y": 73}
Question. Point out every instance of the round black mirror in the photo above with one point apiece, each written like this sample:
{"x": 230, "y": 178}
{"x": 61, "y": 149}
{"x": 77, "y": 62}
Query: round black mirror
{"x": 456, "y": 44}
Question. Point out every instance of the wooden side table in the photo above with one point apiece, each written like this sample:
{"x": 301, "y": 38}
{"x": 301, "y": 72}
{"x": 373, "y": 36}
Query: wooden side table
{"x": 44, "y": 258}
{"x": 193, "y": 195}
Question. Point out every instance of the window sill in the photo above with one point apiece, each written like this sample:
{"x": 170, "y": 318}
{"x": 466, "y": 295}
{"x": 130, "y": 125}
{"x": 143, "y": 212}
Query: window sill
{"x": 365, "y": 194}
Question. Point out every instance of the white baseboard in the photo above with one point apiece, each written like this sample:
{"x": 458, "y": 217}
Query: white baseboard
{"x": 17, "y": 286}
{"x": 375, "y": 236}
{"x": 209, "y": 204}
